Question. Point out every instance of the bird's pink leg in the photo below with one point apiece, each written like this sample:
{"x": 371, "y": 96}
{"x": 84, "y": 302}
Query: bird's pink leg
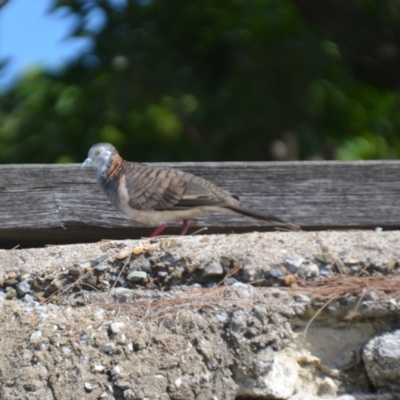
{"x": 158, "y": 230}
{"x": 186, "y": 226}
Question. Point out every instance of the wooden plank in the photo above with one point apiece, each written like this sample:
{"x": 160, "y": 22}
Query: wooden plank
{"x": 62, "y": 203}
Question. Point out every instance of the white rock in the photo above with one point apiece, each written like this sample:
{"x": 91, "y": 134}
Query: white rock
{"x": 89, "y": 386}
{"x": 249, "y": 273}
{"x": 211, "y": 269}
{"x": 178, "y": 382}
{"x": 222, "y": 317}
{"x": 271, "y": 378}
{"x": 302, "y": 298}
{"x": 327, "y": 387}
{"x": 23, "y": 288}
{"x": 45, "y": 346}
{"x": 116, "y": 370}
{"x": 98, "y": 368}
{"x": 99, "y": 313}
{"x": 36, "y": 335}
{"x": 66, "y": 350}
{"x": 104, "y": 326}
{"x": 107, "y": 348}
{"x": 306, "y": 395}
{"x": 308, "y": 270}
{"x": 243, "y": 290}
{"x": 136, "y": 276}
{"x": 117, "y": 327}
{"x": 293, "y": 264}
{"x": 381, "y": 357}
{"x": 122, "y": 290}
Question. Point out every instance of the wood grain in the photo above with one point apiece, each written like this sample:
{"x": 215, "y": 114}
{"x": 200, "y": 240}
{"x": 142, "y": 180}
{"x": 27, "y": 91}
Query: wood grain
{"x": 62, "y": 203}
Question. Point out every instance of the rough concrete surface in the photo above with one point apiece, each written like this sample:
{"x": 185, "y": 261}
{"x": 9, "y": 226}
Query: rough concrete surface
{"x": 283, "y": 315}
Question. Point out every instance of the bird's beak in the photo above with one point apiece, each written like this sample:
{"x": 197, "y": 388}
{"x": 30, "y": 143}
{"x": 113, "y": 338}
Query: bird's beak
{"x": 87, "y": 162}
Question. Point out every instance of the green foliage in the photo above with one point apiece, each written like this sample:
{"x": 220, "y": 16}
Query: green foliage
{"x": 203, "y": 80}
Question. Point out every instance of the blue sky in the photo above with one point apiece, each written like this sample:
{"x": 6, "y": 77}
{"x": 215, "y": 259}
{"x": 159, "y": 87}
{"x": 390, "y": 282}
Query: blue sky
{"x": 30, "y": 37}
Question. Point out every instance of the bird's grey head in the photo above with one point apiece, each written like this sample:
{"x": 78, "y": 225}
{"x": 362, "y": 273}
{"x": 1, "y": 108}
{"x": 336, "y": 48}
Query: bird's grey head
{"x": 100, "y": 155}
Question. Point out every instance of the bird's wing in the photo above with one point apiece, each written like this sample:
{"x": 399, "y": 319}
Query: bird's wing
{"x": 160, "y": 189}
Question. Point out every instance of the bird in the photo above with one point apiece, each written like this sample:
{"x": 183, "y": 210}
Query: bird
{"x": 155, "y": 196}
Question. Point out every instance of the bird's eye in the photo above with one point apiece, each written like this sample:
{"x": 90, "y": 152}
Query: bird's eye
{"x": 97, "y": 153}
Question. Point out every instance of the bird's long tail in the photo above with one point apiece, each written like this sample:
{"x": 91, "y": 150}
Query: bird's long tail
{"x": 249, "y": 212}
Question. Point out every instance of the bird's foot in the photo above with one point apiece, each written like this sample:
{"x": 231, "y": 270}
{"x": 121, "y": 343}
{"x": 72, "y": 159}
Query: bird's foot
{"x": 158, "y": 230}
{"x": 186, "y": 226}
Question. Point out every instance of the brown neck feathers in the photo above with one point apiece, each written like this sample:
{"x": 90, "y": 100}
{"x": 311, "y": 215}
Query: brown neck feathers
{"x": 115, "y": 166}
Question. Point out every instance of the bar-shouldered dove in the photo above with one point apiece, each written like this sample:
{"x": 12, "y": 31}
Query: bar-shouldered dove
{"x": 155, "y": 196}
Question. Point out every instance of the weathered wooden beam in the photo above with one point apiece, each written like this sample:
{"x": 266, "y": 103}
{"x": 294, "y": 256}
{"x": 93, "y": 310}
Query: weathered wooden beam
{"x": 62, "y": 203}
